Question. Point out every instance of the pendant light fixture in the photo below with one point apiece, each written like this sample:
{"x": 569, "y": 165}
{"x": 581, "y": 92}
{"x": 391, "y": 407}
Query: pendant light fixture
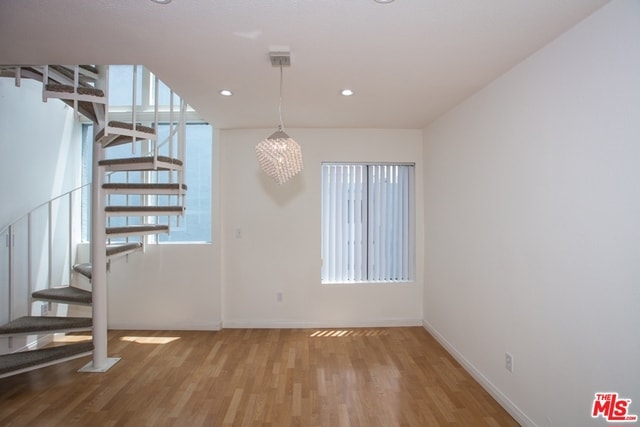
{"x": 279, "y": 155}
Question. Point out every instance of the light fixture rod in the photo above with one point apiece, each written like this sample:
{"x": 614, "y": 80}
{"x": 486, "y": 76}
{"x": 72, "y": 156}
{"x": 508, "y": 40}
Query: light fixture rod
{"x": 280, "y": 59}
{"x": 280, "y": 102}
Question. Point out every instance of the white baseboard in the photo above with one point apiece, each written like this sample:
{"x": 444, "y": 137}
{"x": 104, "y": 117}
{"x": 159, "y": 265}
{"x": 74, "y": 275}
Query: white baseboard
{"x": 289, "y": 324}
{"x": 498, "y": 395}
{"x": 210, "y": 326}
{"x": 267, "y": 324}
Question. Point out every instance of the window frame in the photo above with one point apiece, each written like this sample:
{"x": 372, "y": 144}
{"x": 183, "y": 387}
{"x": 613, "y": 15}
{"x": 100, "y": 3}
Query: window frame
{"x": 145, "y": 114}
{"x": 409, "y": 232}
{"x": 87, "y": 138}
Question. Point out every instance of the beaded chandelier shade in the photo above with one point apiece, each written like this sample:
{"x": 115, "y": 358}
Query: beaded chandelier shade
{"x": 279, "y": 156}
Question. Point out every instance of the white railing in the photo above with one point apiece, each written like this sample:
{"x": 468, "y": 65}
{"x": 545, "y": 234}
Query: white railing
{"x": 145, "y": 109}
{"x": 37, "y": 251}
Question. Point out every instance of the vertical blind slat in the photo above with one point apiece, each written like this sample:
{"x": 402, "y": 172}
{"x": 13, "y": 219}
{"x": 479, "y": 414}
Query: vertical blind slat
{"x": 362, "y": 268}
{"x": 326, "y": 233}
{"x": 332, "y": 264}
{"x": 350, "y": 275}
{"x": 357, "y": 214}
{"x": 338, "y": 252}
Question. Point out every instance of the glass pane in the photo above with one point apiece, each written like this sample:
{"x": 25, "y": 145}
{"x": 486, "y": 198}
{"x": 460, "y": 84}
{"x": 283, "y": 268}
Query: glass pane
{"x": 87, "y": 158}
{"x": 367, "y": 223}
{"x": 195, "y": 225}
{"x": 121, "y": 85}
{"x": 164, "y": 96}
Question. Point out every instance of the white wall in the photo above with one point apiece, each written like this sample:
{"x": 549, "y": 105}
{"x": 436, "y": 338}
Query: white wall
{"x": 279, "y": 248}
{"x": 40, "y": 154}
{"x": 171, "y": 286}
{"x": 39, "y": 149}
{"x": 532, "y": 225}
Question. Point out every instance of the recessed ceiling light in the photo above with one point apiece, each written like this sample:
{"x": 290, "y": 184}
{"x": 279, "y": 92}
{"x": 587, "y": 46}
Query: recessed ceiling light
{"x": 165, "y": 1}
{"x": 383, "y": 1}
{"x": 347, "y": 92}
{"x": 226, "y": 92}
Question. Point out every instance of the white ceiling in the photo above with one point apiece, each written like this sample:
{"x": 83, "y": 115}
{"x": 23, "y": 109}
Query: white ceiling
{"x": 408, "y": 61}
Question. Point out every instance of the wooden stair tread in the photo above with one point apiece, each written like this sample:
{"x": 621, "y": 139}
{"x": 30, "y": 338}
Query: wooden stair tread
{"x": 60, "y": 74}
{"x": 84, "y": 269}
{"x": 117, "y": 249}
{"x": 143, "y": 209}
{"x": 36, "y": 324}
{"x": 64, "y": 294}
{"x": 26, "y": 72}
{"x": 22, "y": 361}
{"x": 138, "y": 186}
{"x": 67, "y": 72}
{"x": 80, "y": 90}
{"x": 139, "y": 160}
{"x": 117, "y": 133}
{"x": 129, "y": 126}
{"x": 57, "y": 87}
{"x": 138, "y": 229}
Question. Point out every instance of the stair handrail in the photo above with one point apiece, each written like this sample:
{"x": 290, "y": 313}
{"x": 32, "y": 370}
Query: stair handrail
{"x": 6, "y": 227}
{"x": 11, "y": 240}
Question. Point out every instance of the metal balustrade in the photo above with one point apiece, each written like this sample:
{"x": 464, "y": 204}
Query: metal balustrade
{"x": 37, "y": 252}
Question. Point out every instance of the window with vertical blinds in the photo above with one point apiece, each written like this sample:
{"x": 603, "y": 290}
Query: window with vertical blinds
{"x": 367, "y": 223}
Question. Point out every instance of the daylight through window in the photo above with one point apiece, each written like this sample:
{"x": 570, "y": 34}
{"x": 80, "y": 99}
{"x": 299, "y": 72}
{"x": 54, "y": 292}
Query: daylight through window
{"x": 367, "y": 223}
{"x": 195, "y": 225}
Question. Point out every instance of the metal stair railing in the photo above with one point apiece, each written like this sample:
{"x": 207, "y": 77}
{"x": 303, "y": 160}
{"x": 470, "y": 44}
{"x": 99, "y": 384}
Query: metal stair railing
{"x": 145, "y": 109}
{"x": 54, "y": 207}
{"x": 54, "y": 246}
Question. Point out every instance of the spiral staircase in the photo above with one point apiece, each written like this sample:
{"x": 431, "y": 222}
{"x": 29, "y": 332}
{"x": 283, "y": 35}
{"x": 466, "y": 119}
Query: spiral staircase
{"x": 117, "y": 229}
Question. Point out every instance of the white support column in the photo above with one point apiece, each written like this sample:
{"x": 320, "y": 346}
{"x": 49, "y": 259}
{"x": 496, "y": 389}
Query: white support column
{"x": 10, "y": 244}
{"x": 134, "y": 108}
{"x": 50, "y": 244}
{"x": 29, "y": 258}
{"x": 100, "y": 363}
{"x": 182, "y": 150}
{"x": 18, "y": 76}
{"x": 71, "y": 242}
{"x": 12, "y": 316}
{"x": 76, "y": 84}
{"x": 45, "y": 81}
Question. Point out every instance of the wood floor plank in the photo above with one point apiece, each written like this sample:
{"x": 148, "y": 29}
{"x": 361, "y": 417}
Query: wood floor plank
{"x": 265, "y": 377}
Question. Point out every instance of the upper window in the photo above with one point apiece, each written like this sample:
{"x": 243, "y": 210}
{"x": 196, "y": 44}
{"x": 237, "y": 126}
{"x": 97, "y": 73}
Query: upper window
{"x": 195, "y": 224}
{"x": 367, "y": 223}
{"x": 121, "y": 90}
{"x": 136, "y": 87}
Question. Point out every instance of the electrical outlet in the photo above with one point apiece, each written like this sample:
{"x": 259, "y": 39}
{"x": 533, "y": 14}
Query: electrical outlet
{"x": 508, "y": 361}
{"x": 279, "y": 296}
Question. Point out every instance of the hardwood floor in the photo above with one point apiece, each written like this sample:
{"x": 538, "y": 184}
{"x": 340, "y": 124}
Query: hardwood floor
{"x": 267, "y": 377}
